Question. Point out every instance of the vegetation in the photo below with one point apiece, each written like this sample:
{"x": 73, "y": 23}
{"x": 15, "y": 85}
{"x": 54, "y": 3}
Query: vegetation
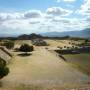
{"x": 80, "y": 61}
{"x": 3, "y": 69}
{"x": 26, "y": 48}
{"x": 8, "y": 44}
{"x": 86, "y": 40}
{"x": 59, "y": 47}
{"x": 64, "y": 46}
{"x": 49, "y": 87}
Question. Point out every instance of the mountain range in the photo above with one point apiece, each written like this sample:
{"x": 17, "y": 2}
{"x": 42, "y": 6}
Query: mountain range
{"x": 82, "y": 33}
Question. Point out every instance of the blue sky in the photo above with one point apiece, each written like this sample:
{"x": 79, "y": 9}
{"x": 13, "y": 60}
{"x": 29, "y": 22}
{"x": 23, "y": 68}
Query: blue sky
{"x": 38, "y": 16}
{"x": 37, "y": 4}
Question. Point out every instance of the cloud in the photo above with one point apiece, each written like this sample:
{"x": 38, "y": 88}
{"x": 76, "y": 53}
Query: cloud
{"x": 69, "y": 23}
{"x": 36, "y": 21}
{"x": 33, "y": 14}
{"x": 58, "y": 11}
{"x": 62, "y": 20}
{"x": 85, "y": 8}
{"x": 88, "y": 19}
{"x": 9, "y": 16}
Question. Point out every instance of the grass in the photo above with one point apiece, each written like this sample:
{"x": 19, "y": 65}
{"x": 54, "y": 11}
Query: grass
{"x": 48, "y": 87}
{"x": 81, "y": 68}
{"x": 80, "y": 61}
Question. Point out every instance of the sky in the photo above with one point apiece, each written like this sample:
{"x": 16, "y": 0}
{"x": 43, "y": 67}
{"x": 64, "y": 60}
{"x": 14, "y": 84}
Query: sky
{"x": 40, "y": 16}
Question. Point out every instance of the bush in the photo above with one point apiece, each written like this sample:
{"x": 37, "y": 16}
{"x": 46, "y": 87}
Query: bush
{"x": 8, "y": 44}
{"x": 68, "y": 47}
{"x": 73, "y": 46}
{"x": 3, "y": 69}
{"x": 26, "y": 48}
{"x": 64, "y": 46}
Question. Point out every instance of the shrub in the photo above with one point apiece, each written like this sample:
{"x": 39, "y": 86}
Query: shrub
{"x": 3, "y": 69}
{"x": 86, "y": 41}
{"x": 61, "y": 48}
{"x": 8, "y": 44}
{"x": 26, "y": 48}
{"x": 64, "y": 46}
{"x": 68, "y": 47}
{"x": 73, "y": 46}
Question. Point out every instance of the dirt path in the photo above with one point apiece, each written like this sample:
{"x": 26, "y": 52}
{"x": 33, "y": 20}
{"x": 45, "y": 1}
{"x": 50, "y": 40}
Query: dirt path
{"x": 42, "y": 66}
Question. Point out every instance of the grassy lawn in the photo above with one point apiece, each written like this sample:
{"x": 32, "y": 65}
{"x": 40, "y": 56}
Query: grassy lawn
{"x": 80, "y": 61}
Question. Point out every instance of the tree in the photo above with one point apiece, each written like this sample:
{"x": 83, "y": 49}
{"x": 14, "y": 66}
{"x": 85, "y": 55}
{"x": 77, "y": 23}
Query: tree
{"x": 86, "y": 41}
{"x": 8, "y": 44}
{"x": 26, "y": 48}
{"x": 3, "y": 69}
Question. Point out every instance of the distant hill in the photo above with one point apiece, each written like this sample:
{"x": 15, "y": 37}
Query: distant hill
{"x": 82, "y": 33}
{"x": 31, "y": 36}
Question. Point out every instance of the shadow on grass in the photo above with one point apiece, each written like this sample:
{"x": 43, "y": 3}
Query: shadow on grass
{"x": 0, "y": 84}
{"x": 24, "y": 54}
{"x": 80, "y": 68}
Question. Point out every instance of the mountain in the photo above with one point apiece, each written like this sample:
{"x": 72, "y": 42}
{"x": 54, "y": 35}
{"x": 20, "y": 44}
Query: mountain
{"x": 82, "y": 33}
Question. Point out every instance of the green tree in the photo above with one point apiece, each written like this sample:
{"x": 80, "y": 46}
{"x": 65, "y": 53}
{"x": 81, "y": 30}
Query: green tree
{"x": 3, "y": 69}
{"x": 26, "y": 48}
